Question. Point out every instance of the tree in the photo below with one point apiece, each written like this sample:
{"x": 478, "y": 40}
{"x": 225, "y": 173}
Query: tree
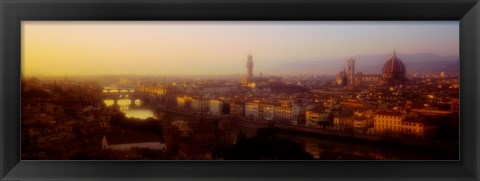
{"x": 117, "y": 119}
{"x": 36, "y": 93}
{"x": 267, "y": 146}
{"x": 241, "y": 136}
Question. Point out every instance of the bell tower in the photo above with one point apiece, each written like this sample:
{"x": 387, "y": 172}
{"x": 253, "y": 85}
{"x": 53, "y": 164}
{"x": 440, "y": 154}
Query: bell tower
{"x": 351, "y": 71}
{"x": 249, "y": 66}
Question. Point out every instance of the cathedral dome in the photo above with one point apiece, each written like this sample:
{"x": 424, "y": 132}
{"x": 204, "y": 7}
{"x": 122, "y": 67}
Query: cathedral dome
{"x": 394, "y": 71}
{"x": 394, "y": 65}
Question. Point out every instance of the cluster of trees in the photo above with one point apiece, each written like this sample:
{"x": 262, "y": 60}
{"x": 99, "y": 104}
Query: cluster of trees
{"x": 132, "y": 154}
{"x": 264, "y": 146}
{"x": 143, "y": 125}
{"x": 35, "y": 94}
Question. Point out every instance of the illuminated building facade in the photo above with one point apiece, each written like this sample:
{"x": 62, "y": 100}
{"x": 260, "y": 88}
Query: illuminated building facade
{"x": 399, "y": 124}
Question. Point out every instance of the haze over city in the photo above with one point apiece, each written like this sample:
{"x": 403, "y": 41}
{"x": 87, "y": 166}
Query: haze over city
{"x": 217, "y": 48}
{"x": 240, "y": 91}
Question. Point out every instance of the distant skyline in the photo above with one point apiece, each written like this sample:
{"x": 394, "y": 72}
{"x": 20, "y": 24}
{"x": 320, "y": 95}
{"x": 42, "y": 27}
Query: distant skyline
{"x": 57, "y": 48}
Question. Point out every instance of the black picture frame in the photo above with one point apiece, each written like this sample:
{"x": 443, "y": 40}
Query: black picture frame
{"x": 12, "y": 12}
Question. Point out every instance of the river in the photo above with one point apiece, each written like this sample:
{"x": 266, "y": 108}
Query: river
{"x": 323, "y": 148}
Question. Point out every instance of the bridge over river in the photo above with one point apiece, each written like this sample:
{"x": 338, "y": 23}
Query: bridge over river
{"x": 116, "y": 93}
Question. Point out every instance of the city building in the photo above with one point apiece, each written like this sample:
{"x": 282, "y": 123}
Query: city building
{"x": 237, "y": 108}
{"x": 351, "y": 104}
{"x": 362, "y": 123}
{"x": 45, "y": 107}
{"x": 284, "y": 114}
{"x": 216, "y": 89}
{"x": 200, "y": 104}
{"x": 268, "y": 111}
{"x": 388, "y": 122}
{"x": 339, "y": 121}
{"x": 403, "y": 124}
{"x": 154, "y": 89}
{"x": 315, "y": 118}
{"x": 253, "y": 111}
{"x": 215, "y": 106}
{"x": 278, "y": 88}
{"x": 184, "y": 102}
{"x": 393, "y": 73}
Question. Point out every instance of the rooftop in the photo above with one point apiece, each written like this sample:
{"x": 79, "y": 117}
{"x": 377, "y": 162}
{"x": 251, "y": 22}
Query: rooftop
{"x": 389, "y": 113}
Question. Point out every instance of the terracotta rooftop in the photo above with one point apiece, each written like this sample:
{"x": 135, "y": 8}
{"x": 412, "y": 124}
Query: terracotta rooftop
{"x": 387, "y": 113}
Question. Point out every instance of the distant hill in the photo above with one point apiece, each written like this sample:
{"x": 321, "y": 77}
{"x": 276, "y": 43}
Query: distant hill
{"x": 372, "y": 64}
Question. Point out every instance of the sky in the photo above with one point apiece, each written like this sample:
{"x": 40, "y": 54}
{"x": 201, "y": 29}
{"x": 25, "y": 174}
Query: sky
{"x": 72, "y": 48}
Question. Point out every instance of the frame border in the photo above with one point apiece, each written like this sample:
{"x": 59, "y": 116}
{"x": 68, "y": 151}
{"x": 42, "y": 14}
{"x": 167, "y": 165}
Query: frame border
{"x": 12, "y": 12}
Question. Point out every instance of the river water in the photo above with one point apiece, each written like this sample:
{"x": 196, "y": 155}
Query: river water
{"x": 340, "y": 149}
{"x": 319, "y": 147}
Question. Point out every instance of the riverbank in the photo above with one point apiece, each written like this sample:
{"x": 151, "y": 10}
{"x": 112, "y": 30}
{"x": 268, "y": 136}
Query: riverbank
{"x": 319, "y": 143}
{"x": 336, "y": 135}
{"x": 343, "y": 135}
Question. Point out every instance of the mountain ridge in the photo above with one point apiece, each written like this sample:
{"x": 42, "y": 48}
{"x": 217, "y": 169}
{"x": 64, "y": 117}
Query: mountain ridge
{"x": 372, "y": 64}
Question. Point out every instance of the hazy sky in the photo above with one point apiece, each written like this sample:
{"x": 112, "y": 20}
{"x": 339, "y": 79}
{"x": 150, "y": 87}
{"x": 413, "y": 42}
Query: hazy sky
{"x": 179, "y": 48}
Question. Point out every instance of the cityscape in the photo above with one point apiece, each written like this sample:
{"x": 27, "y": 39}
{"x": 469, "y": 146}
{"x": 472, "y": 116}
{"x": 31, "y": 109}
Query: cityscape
{"x": 388, "y": 106}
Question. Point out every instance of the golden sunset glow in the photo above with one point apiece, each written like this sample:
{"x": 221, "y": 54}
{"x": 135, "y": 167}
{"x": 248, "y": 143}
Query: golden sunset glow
{"x": 240, "y": 90}
{"x": 190, "y": 48}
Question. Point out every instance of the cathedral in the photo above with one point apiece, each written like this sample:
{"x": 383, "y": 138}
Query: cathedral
{"x": 393, "y": 73}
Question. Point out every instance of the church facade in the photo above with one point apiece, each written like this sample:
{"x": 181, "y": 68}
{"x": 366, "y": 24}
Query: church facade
{"x": 393, "y": 73}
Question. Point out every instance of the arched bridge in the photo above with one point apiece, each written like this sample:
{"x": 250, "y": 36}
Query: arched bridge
{"x": 115, "y": 93}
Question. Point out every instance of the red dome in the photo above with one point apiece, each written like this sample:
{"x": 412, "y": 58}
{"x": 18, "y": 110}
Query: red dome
{"x": 394, "y": 65}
